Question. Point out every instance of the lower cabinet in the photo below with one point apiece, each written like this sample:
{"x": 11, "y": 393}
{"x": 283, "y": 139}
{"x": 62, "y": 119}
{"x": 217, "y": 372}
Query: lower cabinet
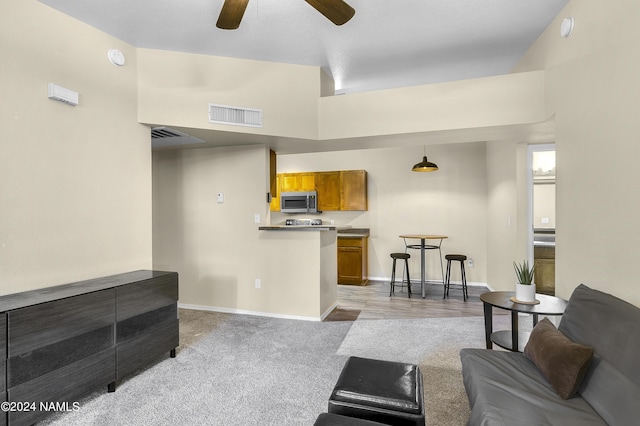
{"x": 545, "y": 269}
{"x": 353, "y": 263}
{"x": 63, "y": 342}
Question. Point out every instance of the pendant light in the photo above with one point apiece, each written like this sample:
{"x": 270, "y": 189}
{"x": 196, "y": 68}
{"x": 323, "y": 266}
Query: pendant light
{"x": 425, "y": 166}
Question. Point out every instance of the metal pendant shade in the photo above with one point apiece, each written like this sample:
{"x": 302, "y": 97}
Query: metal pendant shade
{"x": 425, "y": 166}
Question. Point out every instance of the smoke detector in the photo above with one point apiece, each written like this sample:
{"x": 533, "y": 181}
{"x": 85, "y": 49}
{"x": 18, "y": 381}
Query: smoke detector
{"x": 566, "y": 27}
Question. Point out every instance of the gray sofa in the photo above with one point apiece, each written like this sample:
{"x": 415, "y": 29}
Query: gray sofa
{"x": 506, "y": 388}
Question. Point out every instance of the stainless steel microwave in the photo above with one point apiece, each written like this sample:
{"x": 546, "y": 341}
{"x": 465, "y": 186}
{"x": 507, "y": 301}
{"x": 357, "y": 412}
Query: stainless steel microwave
{"x": 299, "y": 202}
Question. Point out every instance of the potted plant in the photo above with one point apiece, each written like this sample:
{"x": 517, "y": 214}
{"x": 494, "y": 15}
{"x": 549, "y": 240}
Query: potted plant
{"x": 525, "y": 288}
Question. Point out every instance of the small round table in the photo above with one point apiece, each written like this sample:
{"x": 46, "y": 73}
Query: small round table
{"x": 423, "y": 246}
{"x": 515, "y": 340}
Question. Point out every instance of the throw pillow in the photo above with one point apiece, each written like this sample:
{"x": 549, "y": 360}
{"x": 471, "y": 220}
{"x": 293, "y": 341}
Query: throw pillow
{"x": 562, "y": 362}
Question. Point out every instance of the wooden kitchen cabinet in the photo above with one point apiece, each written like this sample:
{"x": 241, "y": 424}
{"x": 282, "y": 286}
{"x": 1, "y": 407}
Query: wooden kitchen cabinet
{"x": 353, "y": 260}
{"x": 328, "y": 187}
{"x": 274, "y": 205}
{"x": 353, "y": 190}
{"x": 273, "y": 165}
{"x": 545, "y": 269}
{"x": 292, "y": 182}
{"x": 337, "y": 190}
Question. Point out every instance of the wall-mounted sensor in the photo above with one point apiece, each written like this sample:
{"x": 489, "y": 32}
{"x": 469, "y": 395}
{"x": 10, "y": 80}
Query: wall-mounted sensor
{"x": 116, "y": 57}
{"x": 62, "y": 94}
{"x": 566, "y": 27}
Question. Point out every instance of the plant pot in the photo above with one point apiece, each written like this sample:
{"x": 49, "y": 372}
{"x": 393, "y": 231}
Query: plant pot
{"x": 526, "y": 292}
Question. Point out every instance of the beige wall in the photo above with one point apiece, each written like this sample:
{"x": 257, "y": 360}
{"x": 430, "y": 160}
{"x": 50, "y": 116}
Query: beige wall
{"x": 75, "y": 182}
{"x": 477, "y": 103}
{"x": 592, "y": 87}
{"x": 76, "y": 203}
{"x": 544, "y": 205}
{"x": 502, "y": 217}
{"x": 217, "y": 248}
{"x": 452, "y": 201}
{"x": 219, "y": 251}
{"x": 176, "y": 88}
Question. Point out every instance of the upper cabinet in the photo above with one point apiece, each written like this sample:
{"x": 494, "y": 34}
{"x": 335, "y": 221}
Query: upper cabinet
{"x": 273, "y": 164}
{"x": 291, "y": 182}
{"x": 353, "y": 190}
{"x": 337, "y": 190}
{"x": 328, "y": 187}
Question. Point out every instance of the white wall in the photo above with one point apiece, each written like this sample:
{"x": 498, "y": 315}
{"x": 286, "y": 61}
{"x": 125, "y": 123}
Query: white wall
{"x": 75, "y": 182}
{"x": 451, "y": 201}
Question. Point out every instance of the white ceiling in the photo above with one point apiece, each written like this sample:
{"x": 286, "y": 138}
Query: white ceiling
{"x": 387, "y": 44}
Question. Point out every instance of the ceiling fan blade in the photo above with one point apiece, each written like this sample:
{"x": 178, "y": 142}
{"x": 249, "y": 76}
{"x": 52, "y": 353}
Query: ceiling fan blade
{"x": 231, "y": 14}
{"x": 337, "y": 11}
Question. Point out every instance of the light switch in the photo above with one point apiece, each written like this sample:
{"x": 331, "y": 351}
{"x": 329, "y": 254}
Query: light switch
{"x": 220, "y": 197}
{"x": 256, "y": 218}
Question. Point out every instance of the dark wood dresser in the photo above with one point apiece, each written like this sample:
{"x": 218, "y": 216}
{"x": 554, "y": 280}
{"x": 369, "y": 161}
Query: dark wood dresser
{"x": 57, "y": 344}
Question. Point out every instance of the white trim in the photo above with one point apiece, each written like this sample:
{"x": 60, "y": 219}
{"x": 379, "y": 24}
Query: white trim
{"x": 417, "y": 282}
{"x": 255, "y": 313}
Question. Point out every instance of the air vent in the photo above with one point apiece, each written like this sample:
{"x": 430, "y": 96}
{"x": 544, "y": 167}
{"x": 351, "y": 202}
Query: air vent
{"x": 237, "y": 116}
{"x": 164, "y": 136}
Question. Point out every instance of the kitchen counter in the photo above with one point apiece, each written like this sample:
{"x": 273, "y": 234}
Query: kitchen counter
{"x": 544, "y": 237}
{"x": 300, "y": 270}
{"x": 298, "y": 228}
{"x": 343, "y": 231}
{"x": 353, "y": 232}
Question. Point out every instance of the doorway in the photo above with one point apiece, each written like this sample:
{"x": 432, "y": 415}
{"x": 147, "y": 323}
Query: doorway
{"x": 542, "y": 215}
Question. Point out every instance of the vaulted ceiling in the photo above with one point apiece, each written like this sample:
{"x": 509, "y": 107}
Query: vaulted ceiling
{"x": 387, "y": 44}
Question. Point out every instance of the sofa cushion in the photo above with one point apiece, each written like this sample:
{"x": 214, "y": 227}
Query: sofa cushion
{"x": 609, "y": 325}
{"x": 563, "y": 362}
{"x": 505, "y": 388}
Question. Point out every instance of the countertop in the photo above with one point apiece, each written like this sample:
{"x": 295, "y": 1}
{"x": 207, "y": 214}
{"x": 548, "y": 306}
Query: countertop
{"x": 298, "y": 228}
{"x": 343, "y": 231}
{"x": 353, "y": 232}
{"x": 544, "y": 238}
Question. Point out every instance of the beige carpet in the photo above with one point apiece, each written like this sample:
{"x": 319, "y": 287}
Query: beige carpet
{"x": 246, "y": 370}
{"x": 434, "y": 345}
{"x": 445, "y": 399}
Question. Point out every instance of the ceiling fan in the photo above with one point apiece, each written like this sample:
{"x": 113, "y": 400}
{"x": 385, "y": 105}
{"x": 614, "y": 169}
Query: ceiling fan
{"x": 337, "y": 11}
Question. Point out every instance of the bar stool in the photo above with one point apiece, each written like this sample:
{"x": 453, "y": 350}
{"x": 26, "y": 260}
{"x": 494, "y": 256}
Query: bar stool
{"x": 460, "y": 258}
{"x": 405, "y": 257}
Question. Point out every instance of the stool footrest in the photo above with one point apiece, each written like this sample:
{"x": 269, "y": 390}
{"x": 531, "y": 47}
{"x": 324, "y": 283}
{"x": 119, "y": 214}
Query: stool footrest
{"x": 377, "y": 390}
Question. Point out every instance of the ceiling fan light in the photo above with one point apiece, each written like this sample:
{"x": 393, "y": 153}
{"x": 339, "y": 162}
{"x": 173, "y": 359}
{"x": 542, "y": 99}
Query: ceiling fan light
{"x": 425, "y": 166}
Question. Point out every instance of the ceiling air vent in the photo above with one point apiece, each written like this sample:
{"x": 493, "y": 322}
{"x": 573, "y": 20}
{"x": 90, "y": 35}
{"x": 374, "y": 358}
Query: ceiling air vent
{"x": 164, "y": 136}
{"x": 224, "y": 114}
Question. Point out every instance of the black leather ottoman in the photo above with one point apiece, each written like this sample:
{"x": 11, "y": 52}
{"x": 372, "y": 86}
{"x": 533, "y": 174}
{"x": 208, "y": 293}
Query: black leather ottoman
{"x": 381, "y": 391}
{"x": 327, "y": 419}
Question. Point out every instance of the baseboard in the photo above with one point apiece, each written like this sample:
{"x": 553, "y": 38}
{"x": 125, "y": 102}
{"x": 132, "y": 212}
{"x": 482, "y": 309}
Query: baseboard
{"x": 256, "y": 313}
{"x": 417, "y": 282}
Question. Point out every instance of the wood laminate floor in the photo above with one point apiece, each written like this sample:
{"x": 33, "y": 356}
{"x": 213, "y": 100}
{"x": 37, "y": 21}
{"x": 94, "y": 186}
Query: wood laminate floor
{"x": 373, "y": 302}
